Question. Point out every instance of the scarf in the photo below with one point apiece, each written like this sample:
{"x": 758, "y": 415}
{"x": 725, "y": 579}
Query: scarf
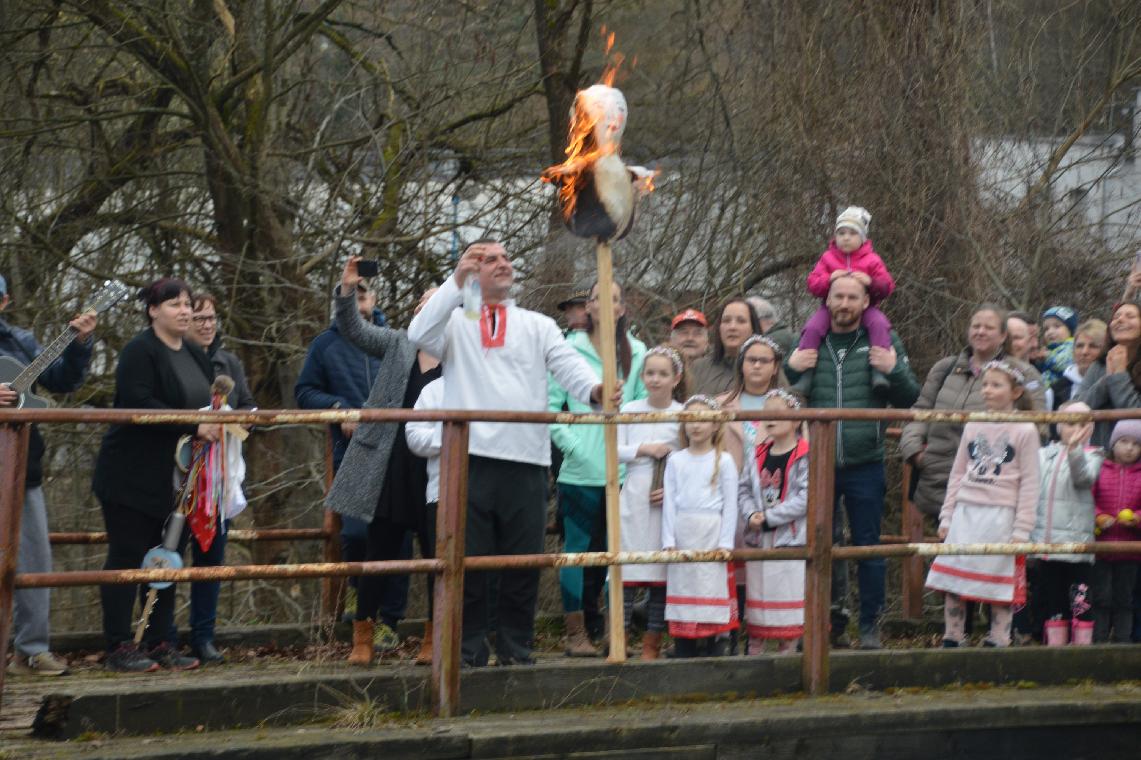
{"x": 493, "y": 325}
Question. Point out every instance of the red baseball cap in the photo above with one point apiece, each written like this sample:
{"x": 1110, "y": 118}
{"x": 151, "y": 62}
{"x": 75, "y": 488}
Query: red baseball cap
{"x": 689, "y": 315}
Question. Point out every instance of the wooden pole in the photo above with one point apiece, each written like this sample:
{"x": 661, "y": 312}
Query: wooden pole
{"x": 609, "y": 386}
{"x": 451, "y": 522}
{"x": 332, "y": 589}
{"x": 13, "y": 466}
{"x": 913, "y": 568}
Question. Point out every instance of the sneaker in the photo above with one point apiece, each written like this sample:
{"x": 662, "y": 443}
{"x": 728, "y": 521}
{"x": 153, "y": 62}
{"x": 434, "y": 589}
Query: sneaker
{"x": 170, "y": 658}
{"x": 870, "y": 640}
{"x": 350, "y": 613}
{"x": 718, "y": 647}
{"x": 128, "y": 659}
{"x": 384, "y": 639}
{"x": 42, "y": 664}
{"x": 950, "y": 644}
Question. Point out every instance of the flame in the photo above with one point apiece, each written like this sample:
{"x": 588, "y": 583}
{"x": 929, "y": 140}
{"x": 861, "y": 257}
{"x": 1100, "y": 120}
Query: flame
{"x": 613, "y": 64}
{"x": 582, "y": 149}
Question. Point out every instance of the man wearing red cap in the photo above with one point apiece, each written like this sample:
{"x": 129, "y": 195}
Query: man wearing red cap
{"x": 689, "y": 334}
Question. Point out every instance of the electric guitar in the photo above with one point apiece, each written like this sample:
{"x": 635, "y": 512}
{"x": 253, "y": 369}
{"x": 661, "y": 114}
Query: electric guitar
{"x": 20, "y": 378}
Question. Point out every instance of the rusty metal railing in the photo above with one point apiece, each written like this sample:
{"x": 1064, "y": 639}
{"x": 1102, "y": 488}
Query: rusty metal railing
{"x": 450, "y": 562}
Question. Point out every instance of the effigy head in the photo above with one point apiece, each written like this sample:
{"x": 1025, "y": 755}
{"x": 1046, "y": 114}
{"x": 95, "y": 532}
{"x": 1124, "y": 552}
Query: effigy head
{"x": 604, "y": 108}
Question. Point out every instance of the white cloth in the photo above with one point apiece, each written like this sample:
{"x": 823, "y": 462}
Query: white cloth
{"x": 510, "y": 378}
{"x": 641, "y": 523}
{"x": 698, "y": 592}
{"x": 1074, "y": 375}
{"x": 689, "y": 488}
{"x": 774, "y": 596}
{"x": 233, "y": 498}
{"x": 426, "y": 438}
{"x": 979, "y": 578}
{"x": 697, "y": 514}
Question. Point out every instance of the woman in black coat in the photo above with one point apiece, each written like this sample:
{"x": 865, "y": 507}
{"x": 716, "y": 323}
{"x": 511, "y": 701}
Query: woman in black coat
{"x": 134, "y": 473}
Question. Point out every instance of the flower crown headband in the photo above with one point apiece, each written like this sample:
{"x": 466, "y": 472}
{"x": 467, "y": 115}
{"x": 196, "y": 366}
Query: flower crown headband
{"x": 1008, "y": 369}
{"x": 669, "y": 353}
{"x": 788, "y": 398}
{"x": 763, "y": 340}
{"x": 701, "y": 398}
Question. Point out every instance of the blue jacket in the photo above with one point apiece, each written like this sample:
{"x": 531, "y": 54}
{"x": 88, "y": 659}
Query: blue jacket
{"x": 337, "y": 374}
{"x": 63, "y": 375}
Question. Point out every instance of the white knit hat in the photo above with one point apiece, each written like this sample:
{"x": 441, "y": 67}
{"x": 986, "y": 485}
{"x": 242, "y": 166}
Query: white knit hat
{"x": 855, "y": 218}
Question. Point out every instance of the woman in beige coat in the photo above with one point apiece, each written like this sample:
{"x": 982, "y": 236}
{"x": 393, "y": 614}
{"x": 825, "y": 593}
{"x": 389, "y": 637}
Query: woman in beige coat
{"x": 954, "y": 384}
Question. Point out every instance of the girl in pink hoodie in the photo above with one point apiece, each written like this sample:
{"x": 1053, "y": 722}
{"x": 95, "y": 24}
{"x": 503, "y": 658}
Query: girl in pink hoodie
{"x": 850, "y": 253}
{"x": 1117, "y": 502}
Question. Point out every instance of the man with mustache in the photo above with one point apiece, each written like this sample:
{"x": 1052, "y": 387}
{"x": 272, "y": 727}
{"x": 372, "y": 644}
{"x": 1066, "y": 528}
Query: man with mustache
{"x": 689, "y": 334}
{"x": 843, "y": 378}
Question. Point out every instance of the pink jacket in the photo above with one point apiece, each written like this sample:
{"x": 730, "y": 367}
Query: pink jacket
{"x": 1118, "y": 487}
{"x": 863, "y": 259}
{"x": 996, "y": 466}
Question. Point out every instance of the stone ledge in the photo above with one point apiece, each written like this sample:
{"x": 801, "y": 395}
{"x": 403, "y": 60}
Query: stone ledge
{"x": 233, "y": 697}
{"x": 1003, "y": 722}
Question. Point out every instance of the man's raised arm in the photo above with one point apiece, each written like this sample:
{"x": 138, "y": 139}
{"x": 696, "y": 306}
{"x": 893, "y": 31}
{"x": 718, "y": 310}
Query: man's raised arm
{"x": 427, "y": 330}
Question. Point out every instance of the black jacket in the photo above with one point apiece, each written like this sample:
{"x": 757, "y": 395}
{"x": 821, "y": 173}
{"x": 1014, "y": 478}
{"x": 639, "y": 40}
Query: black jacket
{"x": 135, "y": 467}
{"x": 227, "y": 363}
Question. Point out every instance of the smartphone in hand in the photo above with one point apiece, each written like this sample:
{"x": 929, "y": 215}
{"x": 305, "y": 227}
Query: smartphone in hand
{"x": 368, "y": 267}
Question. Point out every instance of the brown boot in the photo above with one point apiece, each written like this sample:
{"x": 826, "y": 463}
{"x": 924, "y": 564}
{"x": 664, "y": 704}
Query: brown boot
{"x": 362, "y": 642}
{"x": 578, "y": 643}
{"x": 425, "y": 655}
{"x": 651, "y": 645}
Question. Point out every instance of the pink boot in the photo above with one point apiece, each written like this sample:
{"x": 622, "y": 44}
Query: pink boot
{"x": 1082, "y": 633}
{"x": 1056, "y": 633}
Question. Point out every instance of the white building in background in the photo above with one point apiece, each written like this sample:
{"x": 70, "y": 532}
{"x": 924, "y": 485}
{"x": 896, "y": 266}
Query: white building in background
{"x": 1097, "y": 185}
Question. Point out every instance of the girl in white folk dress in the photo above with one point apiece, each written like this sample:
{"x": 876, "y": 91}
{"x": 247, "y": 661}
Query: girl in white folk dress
{"x": 699, "y": 512}
{"x": 992, "y": 497}
{"x": 773, "y": 496}
{"x": 644, "y": 447}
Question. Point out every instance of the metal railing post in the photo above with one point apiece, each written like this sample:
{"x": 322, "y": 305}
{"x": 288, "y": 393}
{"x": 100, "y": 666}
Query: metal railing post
{"x": 13, "y": 468}
{"x": 912, "y": 567}
{"x": 818, "y": 575}
{"x": 451, "y": 521}
{"x": 332, "y": 588}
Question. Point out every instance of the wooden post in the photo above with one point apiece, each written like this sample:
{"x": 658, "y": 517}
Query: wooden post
{"x": 818, "y": 578}
{"x": 451, "y": 521}
{"x": 913, "y": 567}
{"x": 332, "y": 589}
{"x": 616, "y": 613}
{"x": 13, "y": 468}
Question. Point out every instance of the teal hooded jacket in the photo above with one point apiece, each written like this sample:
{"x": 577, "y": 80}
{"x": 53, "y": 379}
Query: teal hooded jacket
{"x": 583, "y": 446}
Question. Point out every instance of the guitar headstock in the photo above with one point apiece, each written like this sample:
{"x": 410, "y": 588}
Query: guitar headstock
{"x": 110, "y": 294}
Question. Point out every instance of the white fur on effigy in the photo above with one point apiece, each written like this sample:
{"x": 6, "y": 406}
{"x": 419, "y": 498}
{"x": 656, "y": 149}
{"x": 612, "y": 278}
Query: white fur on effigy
{"x": 605, "y": 190}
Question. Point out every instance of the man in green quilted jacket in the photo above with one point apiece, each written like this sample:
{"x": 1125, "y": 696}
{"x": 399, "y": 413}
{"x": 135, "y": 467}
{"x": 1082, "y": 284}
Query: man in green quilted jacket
{"x": 843, "y": 378}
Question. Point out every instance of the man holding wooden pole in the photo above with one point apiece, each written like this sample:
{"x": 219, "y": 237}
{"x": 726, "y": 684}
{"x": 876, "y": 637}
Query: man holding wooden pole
{"x": 500, "y": 360}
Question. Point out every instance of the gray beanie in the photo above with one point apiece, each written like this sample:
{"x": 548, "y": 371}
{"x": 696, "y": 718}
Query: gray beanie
{"x": 1125, "y": 429}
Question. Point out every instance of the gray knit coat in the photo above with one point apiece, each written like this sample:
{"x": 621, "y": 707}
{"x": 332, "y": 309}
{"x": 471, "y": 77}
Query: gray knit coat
{"x": 360, "y": 478}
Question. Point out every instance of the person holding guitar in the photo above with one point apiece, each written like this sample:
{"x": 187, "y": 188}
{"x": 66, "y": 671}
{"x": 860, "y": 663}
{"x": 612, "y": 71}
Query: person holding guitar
{"x": 64, "y": 374}
{"x": 134, "y": 474}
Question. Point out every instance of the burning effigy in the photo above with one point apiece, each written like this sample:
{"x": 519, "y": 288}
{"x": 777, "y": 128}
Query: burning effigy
{"x": 597, "y": 192}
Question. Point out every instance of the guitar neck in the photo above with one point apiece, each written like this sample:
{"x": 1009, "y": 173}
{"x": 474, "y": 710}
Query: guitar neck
{"x": 51, "y": 352}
